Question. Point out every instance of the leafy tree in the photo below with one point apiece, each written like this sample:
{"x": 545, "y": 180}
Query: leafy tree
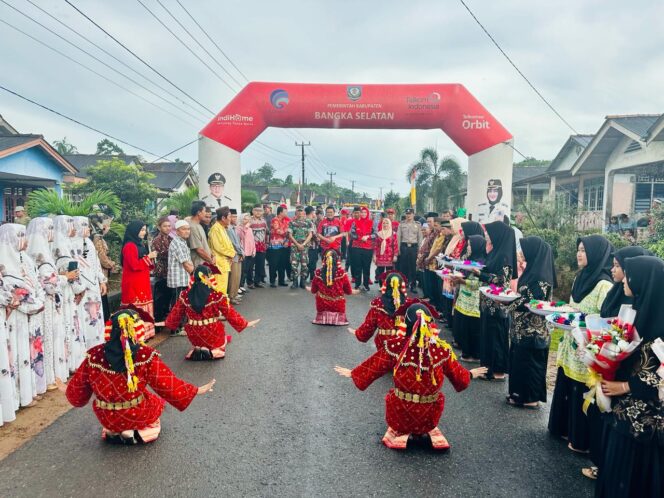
{"x": 182, "y": 201}
{"x": 391, "y": 200}
{"x": 46, "y": 202}
{"x": 265, "y": 173}
{"x": 64, "y": 147}
{"x": 128, "y": 181}
{"x": 249, "y": 200}
{"x": 531, "y": 161}
{"x": 106, "y": 148}
{"x": 288, "y": 180}
{"x": 437, "y": 179}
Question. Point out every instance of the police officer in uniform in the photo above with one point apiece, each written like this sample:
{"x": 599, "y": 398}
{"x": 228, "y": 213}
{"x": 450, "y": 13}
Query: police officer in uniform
{"x": 409, "y": 238}
{"x": 494, "y": 209}
{"x": 216, "y": 198}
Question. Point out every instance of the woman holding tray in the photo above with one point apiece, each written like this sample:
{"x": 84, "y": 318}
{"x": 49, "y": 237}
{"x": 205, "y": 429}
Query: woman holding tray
{"x": 495, "y": 323}
{"x": 529, "y": 350}
{"x": 594, "y": 257}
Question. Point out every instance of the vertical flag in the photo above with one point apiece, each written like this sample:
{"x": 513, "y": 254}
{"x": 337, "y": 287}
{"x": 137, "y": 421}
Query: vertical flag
{"x": 413, "y": 192}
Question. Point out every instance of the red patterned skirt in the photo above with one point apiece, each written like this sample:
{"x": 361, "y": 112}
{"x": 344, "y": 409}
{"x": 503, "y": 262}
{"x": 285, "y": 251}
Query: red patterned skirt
{"x": 330, "y": 310}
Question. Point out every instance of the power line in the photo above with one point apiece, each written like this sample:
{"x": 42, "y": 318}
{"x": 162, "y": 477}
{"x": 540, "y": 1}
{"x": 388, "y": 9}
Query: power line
{"x": 198, "y": 43}
{"x": 138, "y": 57}
{"x": 517, "y": 69}
{"x": 88, "y": 68}
{"x": 187, "y": 47}
{"x": 176, "y": 150}
{"x": 79, "y": 122}
{"x": 109, "y": 54}
{"x": 101, "y": 62}
{"x": 213, "y": 42}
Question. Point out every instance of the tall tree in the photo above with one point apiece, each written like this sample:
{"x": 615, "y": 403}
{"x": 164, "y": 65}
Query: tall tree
{"x": 265, "y": 173}
{"x": 107, "y": 148}
{"x": 436, "y": 178}
{"x": 64, "y": 147}
{"x": 391, "y": 200}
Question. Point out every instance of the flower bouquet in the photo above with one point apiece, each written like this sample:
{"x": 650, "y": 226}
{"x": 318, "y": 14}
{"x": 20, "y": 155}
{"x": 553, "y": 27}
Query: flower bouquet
{"x": 499, "y": 294}
{"x": 606, "y": 343}
{"x": 565, "y": 321}
{"x": 658, "y": 348}
{"x": 545, "y": 308}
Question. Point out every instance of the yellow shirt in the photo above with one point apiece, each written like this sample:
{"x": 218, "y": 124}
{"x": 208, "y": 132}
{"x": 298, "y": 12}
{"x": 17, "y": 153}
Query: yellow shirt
{"x": 222, "y": 247}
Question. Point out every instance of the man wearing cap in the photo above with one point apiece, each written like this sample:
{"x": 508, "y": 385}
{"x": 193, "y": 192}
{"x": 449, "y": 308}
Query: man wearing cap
{"x": 423, "y": 251}
{"x": 494, "y": 209}
{"x": 392, "y": 215}
{"x": 222, "y": 247}
{"x": 236, "y": 264}
{"x": 300, "y": 231}
{"x": 20, "y": 217}
{"x": 180, "y": 265}
{"x": 216, "y": 182}
{"x": 409, "y": 238}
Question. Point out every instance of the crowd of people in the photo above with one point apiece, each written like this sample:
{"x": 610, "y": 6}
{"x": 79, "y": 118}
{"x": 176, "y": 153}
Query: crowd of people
{"x": 196, "y": 268}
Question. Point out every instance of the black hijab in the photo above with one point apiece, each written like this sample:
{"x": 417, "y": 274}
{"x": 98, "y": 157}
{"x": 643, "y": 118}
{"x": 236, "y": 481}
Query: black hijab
{"x": 113, "y": 349}
{"x": 199, "y": 290}
{"x": 504, "y": 248}
{"x": 599, "y": 253}
{"x": 539, "y": 266}
{"x": 411, "y": 315}
{"x": 131, "y": 236}
{"x": 477, "y": 244}
{"x": 616, "y": 296}
{"x": 387, "y": 296}
{"x": 471, "y": 228}
{"x": 645, "y": 275}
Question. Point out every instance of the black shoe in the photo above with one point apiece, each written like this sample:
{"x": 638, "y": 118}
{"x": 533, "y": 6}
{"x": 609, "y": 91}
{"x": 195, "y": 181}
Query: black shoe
{"x": 283, "y": 284}
{"x": 366, "y": 288}
{"x": 303, "y": 282}
{"x": 251, "y": 286}
{"x": 293, "y": 285}
{"x": 259, "y": 285}
{"x": 114, "y": 439}
{"x": 357, "y": 287}
{"x": 273, "y": 285}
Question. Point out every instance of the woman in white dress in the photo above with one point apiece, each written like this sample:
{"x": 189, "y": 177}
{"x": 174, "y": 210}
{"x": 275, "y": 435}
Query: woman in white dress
{"x": 23, "y": 323}
{"x": 40, "y": 237}
{"x": 73, "y": 291}
{"x": 94, "y": 280}
{"x": 7, "y": 367}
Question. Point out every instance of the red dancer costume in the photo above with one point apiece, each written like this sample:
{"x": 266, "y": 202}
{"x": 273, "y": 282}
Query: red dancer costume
{"x": 330, "y": 285}
{"x": 118, "y": 373}
{"x": 420, "y": 362}
{"x": 203, "y": 307}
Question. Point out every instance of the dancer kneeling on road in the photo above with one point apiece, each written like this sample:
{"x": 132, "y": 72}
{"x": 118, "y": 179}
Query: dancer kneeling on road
{"x": 330, "y": 285}
{"x": 420, "y": 361}
{"x": 118, "y": 373}
{"x": 203, "y": 307}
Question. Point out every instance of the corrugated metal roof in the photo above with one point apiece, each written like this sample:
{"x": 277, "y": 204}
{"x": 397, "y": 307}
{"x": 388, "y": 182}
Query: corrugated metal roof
{"x": 524, "y": 172}
{"x": 9, "y": 141}
{"x": 638, "y": 124}
{"x": 168, "y": 176}
{"x": 83, "y": 161}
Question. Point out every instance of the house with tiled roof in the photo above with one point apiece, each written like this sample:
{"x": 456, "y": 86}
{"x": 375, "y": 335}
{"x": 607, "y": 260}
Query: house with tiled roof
{"x": 27, "y": 162}
{"x": 619, "y": 169}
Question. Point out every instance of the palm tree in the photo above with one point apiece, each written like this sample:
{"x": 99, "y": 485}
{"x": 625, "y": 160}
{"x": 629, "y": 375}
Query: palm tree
{"x": 437, "y": 179}
{"x": 182, "y": 201}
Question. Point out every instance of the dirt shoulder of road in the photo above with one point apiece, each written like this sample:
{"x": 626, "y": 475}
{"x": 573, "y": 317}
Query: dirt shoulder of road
{"x": 31, "y": 421}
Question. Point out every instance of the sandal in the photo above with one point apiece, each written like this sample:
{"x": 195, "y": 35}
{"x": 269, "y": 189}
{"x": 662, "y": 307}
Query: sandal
{"x": 582, "y": 452}
{"x": 590, "y": 472}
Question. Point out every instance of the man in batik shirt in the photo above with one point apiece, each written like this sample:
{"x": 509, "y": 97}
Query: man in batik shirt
{"x": 300, "y": 231}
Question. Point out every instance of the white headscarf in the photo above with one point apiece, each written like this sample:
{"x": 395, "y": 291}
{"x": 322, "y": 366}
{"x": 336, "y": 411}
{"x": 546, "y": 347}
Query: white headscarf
{"x": 62, "y": 242}
{"x": 40, "y": 234}
{"x": 81, "y": 240}
{"x": 12, "y": 236}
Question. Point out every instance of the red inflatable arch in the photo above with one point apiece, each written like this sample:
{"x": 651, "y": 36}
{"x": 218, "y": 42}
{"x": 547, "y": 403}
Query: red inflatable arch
{"x": 449, "y": 107}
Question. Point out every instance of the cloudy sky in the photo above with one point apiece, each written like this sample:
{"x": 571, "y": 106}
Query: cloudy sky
{"x": 589, "y": 58}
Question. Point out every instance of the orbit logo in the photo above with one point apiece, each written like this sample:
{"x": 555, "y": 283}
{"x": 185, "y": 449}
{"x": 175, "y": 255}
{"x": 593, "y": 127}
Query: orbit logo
{"x": 279, "y": 98}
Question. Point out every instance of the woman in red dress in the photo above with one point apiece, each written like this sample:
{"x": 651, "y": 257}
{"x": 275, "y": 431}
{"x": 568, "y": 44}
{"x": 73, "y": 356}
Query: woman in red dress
{"x": 119, "y": 373}
{"x": 420, "y": 362}
{"x": 136, "y": 264}
{"x": 203, "y": 307}
{"x": 330, "y": 285}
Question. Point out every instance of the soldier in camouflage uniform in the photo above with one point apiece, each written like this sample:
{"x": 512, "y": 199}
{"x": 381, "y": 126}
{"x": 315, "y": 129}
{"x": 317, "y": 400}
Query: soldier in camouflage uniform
{"x": 300, "y": 231}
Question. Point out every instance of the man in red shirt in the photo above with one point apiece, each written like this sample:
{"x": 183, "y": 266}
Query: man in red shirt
{"x": 330, "y": 231}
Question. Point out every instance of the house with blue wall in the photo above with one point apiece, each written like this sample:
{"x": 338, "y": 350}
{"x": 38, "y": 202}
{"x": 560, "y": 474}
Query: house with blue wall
{"x": 27, "y": 163}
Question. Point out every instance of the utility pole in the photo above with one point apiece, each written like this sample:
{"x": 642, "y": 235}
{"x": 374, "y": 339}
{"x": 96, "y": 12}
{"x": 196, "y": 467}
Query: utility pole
{"x": 352, "y": 182}
{"x": 331, "y": 182}
{"x": 303, "y": 178}
{"x": 381, "y": 197}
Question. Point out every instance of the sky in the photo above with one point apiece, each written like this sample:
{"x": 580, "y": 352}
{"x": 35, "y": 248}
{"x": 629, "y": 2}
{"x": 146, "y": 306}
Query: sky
{"x": 588, "y": 58}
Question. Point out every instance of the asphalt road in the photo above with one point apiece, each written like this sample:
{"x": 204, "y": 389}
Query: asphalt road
{"x": 280, "y": 422}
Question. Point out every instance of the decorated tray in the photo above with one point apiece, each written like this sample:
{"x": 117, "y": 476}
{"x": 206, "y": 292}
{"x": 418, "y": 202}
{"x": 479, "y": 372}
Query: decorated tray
{"x": 566, "y": 321}
{"x": 464, "y": 264}
{"x": 499, "y": 294}
{"x": 447, "y": 273}
{"x": 545, "y": 308}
